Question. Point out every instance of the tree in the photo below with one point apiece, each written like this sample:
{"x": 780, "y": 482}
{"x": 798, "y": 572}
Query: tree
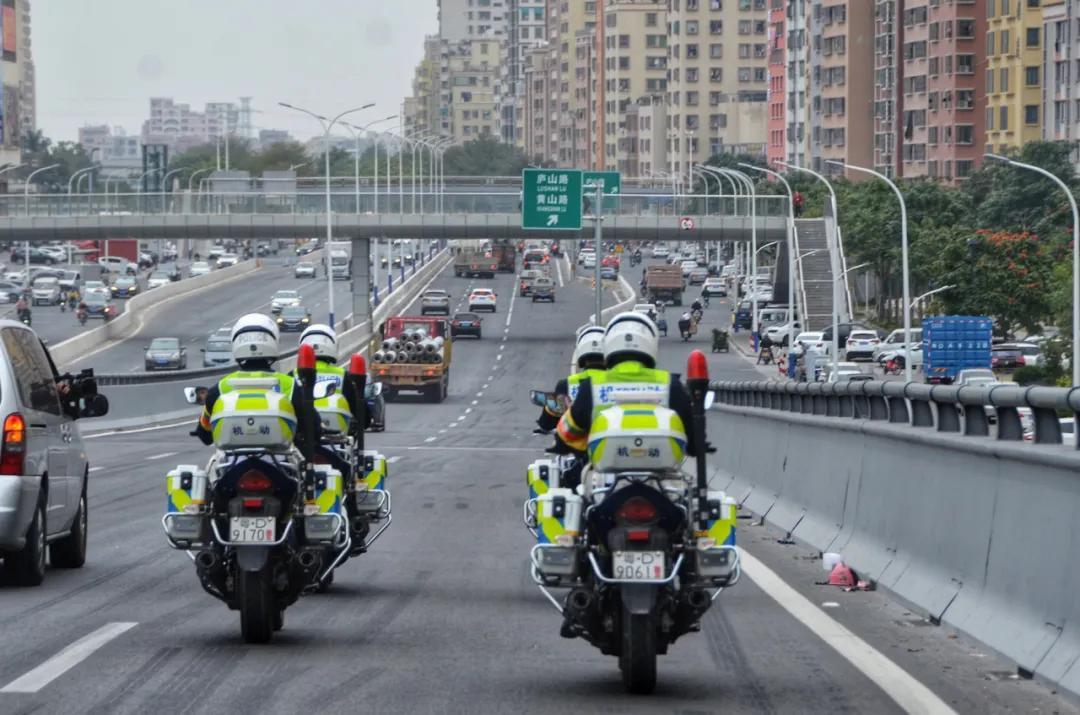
{"x": 484, "y": 156}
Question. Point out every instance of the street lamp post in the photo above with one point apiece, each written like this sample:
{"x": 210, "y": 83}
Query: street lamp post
{"x": 748, "y": 185}
{"x": 918, "y": 299}
{"x": 328, "y": 125}
{"x": 26, "y": 193}
{"x": 355, "y": 131}
{"x": 792, "y": 301}
{"x": 1075, "y": 255}
{"x": 836, "y": 336}
{"x": 903, "y": 255}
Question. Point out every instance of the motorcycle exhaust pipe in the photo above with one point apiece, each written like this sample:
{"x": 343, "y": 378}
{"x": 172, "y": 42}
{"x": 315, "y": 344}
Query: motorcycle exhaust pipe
{"x": 579, "y": 601}
{"x": 308, "y": 560}
{"x": 698, "y": 600}
{"x": 206, "y": 560}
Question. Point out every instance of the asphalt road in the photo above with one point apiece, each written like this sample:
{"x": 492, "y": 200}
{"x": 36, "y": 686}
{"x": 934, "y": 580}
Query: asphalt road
{"x": 441, "y": 616}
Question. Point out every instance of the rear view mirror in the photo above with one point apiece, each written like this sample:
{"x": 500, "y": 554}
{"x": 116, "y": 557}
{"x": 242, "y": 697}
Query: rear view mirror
{"x": 195, "y": 395}
{"x": 94, "y": 406}
{"x": 710, "y": 399}
{"x": 372, "y": 390}
{"x": 548, "y": 400}
{"x": 324, "y": 389}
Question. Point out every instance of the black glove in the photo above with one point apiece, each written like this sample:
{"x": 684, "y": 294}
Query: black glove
{"x": 541, "y": 430}
{"x": 553, "y": 449}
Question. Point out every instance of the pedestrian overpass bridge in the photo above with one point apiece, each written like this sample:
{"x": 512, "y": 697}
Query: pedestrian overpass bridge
{"x": 428, "y": 215}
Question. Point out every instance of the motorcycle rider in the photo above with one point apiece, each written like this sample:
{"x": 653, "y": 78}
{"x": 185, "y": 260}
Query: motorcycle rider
{"x": 22, "y": 310}
{"x": 588, "y": 357}
{"x": 255, "y": 348}
{"x": 323, "y": 341}
{"x": 631, "y": 345}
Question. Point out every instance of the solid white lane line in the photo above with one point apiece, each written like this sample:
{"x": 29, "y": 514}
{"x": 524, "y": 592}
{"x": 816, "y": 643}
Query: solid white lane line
{"x": 910, "y": 694}
{"x": 121, "y": 433}
{"x": 472, "y": 449}
{"x": 160, "y": 456}
{"x": 66, "y": 659}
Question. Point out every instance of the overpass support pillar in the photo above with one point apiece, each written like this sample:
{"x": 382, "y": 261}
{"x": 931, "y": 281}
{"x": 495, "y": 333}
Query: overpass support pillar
{"x": 361, "y": 283}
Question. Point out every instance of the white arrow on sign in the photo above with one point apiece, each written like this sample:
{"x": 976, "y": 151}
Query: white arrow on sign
{"x": 553, "y": 220}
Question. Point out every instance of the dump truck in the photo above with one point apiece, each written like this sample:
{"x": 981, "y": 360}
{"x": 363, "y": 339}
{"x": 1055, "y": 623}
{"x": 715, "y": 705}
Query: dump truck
{"x": 413, "y": 353}
{"x": 505, "y": 254}
{"x": 664, "y": 283}
{"x": 470, "y": 263}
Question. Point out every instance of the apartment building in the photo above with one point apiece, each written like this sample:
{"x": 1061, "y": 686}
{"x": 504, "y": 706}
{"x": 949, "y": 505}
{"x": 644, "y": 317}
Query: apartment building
{"x": 943, "y": 87}
{"x": 1061, "y": 71}
{"x": 718, "y": 80}
{"x": 635, "y": 67}
{"x": 776, "y": 142}
{"x": 571, "y": 28}
{"x": 888, "y": 100}
{"x": 1013, "y": 75}
{"x": 841, "y": 86}
{"x": 539, "y": 136}
{"x": 526, "y": 28}
{"x": 461, "y": 20}
{"x": 471, "y": 77}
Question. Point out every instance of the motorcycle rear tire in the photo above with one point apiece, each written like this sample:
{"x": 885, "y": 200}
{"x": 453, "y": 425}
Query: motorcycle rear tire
{"x": 258, "y": 611}
{"x": 637, "y": 657}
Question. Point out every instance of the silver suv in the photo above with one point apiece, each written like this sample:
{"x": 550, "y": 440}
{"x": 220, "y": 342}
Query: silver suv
{"x": 435, "y": 301}
{"x": 43, "y": 466}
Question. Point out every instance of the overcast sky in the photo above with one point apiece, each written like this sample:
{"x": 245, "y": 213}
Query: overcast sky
{"x": 100, "y": 61}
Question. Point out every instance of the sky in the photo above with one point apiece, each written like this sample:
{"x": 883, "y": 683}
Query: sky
{"x": 100, "y": 61}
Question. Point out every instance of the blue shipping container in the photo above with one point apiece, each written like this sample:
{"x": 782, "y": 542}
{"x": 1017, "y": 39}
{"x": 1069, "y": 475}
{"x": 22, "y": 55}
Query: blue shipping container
{"x": 952, "y": 343}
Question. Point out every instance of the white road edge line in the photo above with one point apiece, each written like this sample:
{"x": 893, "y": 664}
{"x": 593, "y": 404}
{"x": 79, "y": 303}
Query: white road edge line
{"x": 910, "y": 694}
{"x": 66, "y": 659}
{"x": 163, "y": 455}
{"x": 123, "y": 432}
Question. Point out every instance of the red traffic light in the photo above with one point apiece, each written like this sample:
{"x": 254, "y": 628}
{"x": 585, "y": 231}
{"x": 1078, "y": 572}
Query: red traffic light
{"x": 696, "y": 366}
{"x": 305, "y": 359}
{"x": 357, "y": 365}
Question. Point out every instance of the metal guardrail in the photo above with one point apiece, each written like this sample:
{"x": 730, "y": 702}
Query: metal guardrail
{"x": 964, "y": 410}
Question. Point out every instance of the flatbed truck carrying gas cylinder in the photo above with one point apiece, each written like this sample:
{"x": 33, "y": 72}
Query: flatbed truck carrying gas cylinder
{"x": 413, "y": 353}
{"x": 664, "y": 283}
{"x": 952, "y": 343}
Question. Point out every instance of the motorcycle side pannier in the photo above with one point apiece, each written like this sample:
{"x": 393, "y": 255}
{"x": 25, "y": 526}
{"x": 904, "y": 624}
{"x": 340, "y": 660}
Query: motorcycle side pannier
{"x": 637, "y": 438}
{"x": 186, "y": 486}
{"x": 334, "y": 414}
{"x": 253, "y": 419}
{"x": 371, "y": 483}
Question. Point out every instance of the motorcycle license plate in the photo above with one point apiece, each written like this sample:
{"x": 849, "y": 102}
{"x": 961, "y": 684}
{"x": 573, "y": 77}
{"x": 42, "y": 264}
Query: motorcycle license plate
{"x": 638, "y": 565}
{"x": 252, "y": 529}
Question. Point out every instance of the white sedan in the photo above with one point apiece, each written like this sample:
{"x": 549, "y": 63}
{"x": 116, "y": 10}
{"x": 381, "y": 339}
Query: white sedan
{"x": 660, "y": 252}
{"x": 199, "y": 268}
{"x": 482, "y": 299}
{"x": 283, "y": 299}
{"x": 227, "y": 259}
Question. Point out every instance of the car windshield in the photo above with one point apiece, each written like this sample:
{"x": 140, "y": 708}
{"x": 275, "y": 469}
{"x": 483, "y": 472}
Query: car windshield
{"x": 467, "y": 317}
{"x": 165, "y": 344}
{"x": 218, "y": 346}
{"x": 124, "y": 282}
{"x": 294, "y": 311}
{"x": 286, "y": 295}
{"x": 94, "y": 285}
{"x": 436, "y": 294}
{"x": 45, "y": 282}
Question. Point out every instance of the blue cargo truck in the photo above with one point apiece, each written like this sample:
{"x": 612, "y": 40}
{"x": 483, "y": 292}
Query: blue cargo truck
{"x": 952, "y": 343}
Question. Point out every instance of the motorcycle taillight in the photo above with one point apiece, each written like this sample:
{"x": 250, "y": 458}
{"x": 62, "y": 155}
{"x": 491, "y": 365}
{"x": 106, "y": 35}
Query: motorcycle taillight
{"x": 636, "y": 510}
{"x": 254, "y": 481}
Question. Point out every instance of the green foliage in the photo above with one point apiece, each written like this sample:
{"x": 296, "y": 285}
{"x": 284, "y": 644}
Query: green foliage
{"x": 484, "y": 156}
{"x": 1032, "y": 375}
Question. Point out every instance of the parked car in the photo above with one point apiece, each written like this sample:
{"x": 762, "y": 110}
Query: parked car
{"x": 18, "y": 255}
{"x": 10, "y": 292}
{"x": 482, "y": 298}
{"x": 809, "y": 340}
{"x": 976, "y": 377}
{"x": 165, "y": 354}
{"x": 435, "y": 300}
{"x": 199, "y": 268}
{"x": 714, "y": 287}
{"x": 218, "y": 350}
{"x": 543, "y": 289}
{"x": 45, "y": 291}
{"x": 844, "y": 372}
{"x": 293, "y": 318}
{"x": 58, "y": 253}
{"x": 40, "y": 440}
{"x": 283, "y": 298}
{"x": 227, "y": 259}
{"x": 861, "y": 344}
{"x": 125, "y": 287}
{"x": 844, "y": 330}
{"x": 895, "y": 341}
{"x": 304, "y": 270}
{"x": 466, "y": 324}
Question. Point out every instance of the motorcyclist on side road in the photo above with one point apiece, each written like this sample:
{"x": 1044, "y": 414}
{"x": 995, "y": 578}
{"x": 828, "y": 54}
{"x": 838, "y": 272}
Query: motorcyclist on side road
{"x": 22, "y": 309}
{"x": 631, "y": 346}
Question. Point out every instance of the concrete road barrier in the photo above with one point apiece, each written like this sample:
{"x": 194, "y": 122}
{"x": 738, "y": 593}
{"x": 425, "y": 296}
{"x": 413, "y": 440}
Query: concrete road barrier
{"x": 140, "y": 309}
{"x": 978, "y": 533}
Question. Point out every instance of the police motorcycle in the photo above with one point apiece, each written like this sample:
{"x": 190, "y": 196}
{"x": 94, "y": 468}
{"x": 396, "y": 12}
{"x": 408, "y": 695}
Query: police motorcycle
{"x": 260, "y": 520}
{"x": 367, "y": 502}
{"x": 642, "y": 548}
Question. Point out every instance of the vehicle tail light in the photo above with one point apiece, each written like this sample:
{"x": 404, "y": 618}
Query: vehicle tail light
{"x": 637, "y": 535}
{"x": 254, "y": 481}
{"x": 13, "y": 453}
{"x": 636, "y": 510}
{"x": 253, "y": 503}
{"x": 1020, "y": 360}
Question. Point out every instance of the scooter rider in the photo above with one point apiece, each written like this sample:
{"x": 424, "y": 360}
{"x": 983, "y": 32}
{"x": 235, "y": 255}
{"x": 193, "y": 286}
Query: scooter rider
{"x": 631, "y": 345}
{"x": 588, "y": 356}
{"x": 255, "y": 349}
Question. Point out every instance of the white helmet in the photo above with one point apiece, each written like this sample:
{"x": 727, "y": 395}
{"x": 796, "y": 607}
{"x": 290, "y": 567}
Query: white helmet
{"x": 255, "y": 337}
{"x": 590, "y": 344}
{"x": 633, "y": 336}
{"x": 323, "y": 341}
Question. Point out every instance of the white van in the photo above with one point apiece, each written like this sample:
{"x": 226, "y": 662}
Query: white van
{"x": 895, "y": 341}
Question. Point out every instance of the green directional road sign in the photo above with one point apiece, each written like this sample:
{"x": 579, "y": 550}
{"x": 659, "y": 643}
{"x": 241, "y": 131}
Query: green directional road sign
{"x": 551, "y": 199}
{"x": 610, "y": 182}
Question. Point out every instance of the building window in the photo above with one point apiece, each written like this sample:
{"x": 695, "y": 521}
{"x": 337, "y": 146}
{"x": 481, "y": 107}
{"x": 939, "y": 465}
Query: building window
{"x": 1031, "y": 114}
{"x": 1033, "y": 37}
{"x": 1003, "y": 119}
{"x": 1031, "y": 76}
{"x": 965, "y": 134}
